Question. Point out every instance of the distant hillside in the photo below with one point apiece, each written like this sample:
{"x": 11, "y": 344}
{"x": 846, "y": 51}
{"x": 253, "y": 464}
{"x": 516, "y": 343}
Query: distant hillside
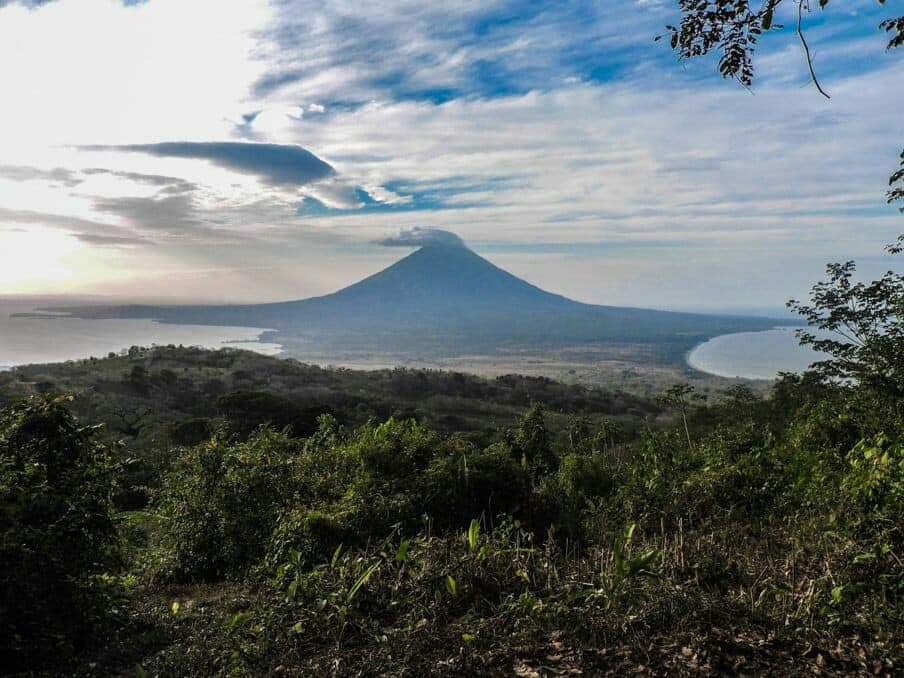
{"x": 446, "y": 299}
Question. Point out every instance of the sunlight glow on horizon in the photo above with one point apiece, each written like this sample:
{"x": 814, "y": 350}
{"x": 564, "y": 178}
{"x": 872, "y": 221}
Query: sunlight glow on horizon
{"x": 36, "y": 260}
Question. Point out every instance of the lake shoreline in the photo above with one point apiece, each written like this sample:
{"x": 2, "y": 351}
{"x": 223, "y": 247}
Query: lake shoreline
{"x": 696, "y": 368}
{"x": 754, "y": 356}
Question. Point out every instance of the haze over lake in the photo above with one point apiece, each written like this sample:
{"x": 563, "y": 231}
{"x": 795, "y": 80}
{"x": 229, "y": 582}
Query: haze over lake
{"x": 753, "y": 355}
{"x": 45, "y": 340}
{"x": 27, "y": 340}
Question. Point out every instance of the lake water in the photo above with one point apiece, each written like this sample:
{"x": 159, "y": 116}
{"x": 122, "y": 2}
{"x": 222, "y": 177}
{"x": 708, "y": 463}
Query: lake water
{"x": 753, "y": 355}
{"x": 45, "y": 340}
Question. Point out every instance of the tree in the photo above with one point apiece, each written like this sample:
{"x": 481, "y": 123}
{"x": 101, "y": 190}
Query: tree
{"x": 866, "y": 342}
{"x": 740, "y": 395}
{"x": 248, "y": 410}
{"x": 608, "y": 434}
{"x": 733, "y": 29}
{"x": 896, "y": 192}
{"x": 578, "y": 431}
{"x": 138, "y": 379}
{"x": 865, "y": 339}
{"x": 682, "y": 397}
{"x": 529, "y": 442}
{"x": 132, "y": 420}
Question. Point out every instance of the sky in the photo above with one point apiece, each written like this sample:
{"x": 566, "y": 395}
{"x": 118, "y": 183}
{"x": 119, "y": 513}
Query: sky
{"x": 269, "y": 150}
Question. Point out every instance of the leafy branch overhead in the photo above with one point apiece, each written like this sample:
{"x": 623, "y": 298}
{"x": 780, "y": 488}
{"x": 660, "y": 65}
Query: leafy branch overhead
{"x": 733, "y": 28}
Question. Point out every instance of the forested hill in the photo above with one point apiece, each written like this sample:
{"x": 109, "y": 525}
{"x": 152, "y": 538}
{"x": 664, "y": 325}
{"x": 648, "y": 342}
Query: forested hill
{"x": 446, "y": 299}
{"x": 177, "y": 394}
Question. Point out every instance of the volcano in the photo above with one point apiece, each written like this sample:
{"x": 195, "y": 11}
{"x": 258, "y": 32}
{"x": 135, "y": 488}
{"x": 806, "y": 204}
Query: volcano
{"x": 447, "y": 299}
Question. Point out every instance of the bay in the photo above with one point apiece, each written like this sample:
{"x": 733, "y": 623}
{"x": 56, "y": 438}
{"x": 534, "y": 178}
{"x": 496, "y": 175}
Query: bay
{"x": 60, "y": 338}
{"x": 753, "y": 355}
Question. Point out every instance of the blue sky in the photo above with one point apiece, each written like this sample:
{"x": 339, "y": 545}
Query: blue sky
{"x": 260, "y": 150}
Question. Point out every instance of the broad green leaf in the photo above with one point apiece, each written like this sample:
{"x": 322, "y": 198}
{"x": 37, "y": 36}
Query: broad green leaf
{"x": 629, "y": 532}
{"x": 474, "y": 535}
{"x": 239, "y": 619}
{"x": 838, "y": 594}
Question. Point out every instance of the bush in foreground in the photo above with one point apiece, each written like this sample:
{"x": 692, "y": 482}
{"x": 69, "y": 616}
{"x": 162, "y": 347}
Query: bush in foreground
{"x": 57, "y": 530}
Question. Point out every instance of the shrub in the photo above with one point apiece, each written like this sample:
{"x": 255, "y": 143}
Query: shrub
{"x": 874, "y": 482}
{"x": 220, "y": 503}
{"x": 468, "y": 482}
{"x": 530, "y": 444}
{"x": 306, "y": 536}
{"x": 389, "y": 460}
{"x": 574, "y": 491}
{"x": 830, "y": 425}
{"x": 56, "y": 527}
{"x": 190, "y": 431}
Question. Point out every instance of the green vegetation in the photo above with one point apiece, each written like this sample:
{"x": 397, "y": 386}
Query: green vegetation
{"x": 57, "y": 530}
{"x": 289, "y": 531}
{"x": 155, "y": 399}
{"x": 762, "y": 533}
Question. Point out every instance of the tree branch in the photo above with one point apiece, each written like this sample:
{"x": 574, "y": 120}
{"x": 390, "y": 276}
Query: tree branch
{"x": 803, "y": 41}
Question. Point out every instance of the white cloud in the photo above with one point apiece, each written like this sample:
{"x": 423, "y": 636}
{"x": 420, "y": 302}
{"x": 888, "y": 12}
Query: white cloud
{"x": 732, "y": 182}
{"x": 418, "y": 237}
{"x": 92, "y": 71}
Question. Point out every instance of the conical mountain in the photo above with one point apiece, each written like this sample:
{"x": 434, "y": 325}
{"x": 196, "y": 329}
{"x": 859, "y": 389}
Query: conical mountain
{"x": 436, "y": 277}
{"x": 446, "y": 299}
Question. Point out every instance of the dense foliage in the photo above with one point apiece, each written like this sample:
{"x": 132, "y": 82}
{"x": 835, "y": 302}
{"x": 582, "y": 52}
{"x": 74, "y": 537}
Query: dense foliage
{"x": 862, "y": 328}
{"x": 733, "y": 28}
{"x": 155, "y": 399}
{"x": 57, "y": 529}
{"x": 734, "y": 539}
